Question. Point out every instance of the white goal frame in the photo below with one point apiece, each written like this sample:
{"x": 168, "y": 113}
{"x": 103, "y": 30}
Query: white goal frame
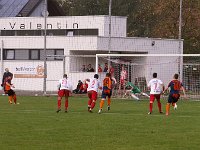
{"x": 147, "y": 55}
{"x": 180, "y": 58}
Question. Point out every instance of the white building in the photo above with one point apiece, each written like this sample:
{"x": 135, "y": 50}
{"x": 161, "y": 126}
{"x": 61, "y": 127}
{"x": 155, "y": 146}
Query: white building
{"x": 22, "y": 48}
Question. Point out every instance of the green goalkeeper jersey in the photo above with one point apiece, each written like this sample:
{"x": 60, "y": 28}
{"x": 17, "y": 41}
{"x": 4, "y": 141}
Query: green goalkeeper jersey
{"x": 135, "y": 89}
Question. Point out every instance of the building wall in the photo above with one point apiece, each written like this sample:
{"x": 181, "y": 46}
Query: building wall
{"x": 26, "y": 78}
{"x": 161, "y": 46}
{"x": 87, "y": 46}
{"x": 82, "y": 45}
{"x": 118, "y": 26}
{"x": 73, "y": 22}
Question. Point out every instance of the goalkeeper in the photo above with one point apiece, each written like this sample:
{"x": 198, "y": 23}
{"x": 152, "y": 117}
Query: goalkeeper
{"x": 133, "y": 90}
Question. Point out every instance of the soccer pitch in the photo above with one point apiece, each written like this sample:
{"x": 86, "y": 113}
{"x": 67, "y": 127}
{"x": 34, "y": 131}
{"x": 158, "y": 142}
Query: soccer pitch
{"x": 35, "y": 125}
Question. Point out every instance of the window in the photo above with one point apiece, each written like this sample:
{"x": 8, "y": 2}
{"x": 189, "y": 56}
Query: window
{"x": 48, "y": 52}
{"x": 25, "y": 32}
{"x": 86, "y": 32}
{"x": 21, "y": 54}
{"x": 54, "y": 32}
{"x": 59, "y": 52}
{"x": 9, "y": 54}
{"x": 70, "y": 33}
{"x": 31, "y": 54}
{"x": 7, "y": 33}
{"x": 34, "y": 54}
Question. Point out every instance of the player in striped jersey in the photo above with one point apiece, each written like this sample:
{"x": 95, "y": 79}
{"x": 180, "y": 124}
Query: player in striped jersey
{"x": 175, "y": 86}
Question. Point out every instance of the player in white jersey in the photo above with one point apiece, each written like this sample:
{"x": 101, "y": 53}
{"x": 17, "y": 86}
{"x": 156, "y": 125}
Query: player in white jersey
{"x": 123, "y": 77}
{"x": 156, "y": 87}
{"x": 64, "y": 89}
{"x": 92, "y": 90}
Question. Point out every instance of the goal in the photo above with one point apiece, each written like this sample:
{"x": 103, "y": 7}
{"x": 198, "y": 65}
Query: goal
{"x": 140, "y": 68}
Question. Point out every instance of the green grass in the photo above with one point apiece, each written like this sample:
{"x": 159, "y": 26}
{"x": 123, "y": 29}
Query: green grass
{"x": 35, "y": 125}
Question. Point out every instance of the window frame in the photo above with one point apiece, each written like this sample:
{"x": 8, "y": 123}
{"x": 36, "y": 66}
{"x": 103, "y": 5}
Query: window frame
{"x": 14, "y": 52}
{"x": 55, "y": 53}
{"x": 5, "y": 54}
{"x": 30, "y": 54}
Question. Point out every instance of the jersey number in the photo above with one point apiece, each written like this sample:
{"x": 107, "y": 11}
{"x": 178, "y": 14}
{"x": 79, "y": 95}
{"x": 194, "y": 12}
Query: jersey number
{"x": 93, "y": 83}
{"x": 155, "y": 86}
{"x": 177, "y": 86}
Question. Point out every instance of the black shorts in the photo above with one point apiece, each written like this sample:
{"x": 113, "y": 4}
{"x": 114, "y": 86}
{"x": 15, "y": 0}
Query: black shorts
{"x": 106, "y": 93}
{"x": 10, "y": 92}
{"x": 173, "y": 98}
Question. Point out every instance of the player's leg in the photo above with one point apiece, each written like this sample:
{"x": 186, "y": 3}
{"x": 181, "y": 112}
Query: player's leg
{"x": 60, "y": 95}
{"x": 175, "y": 106}
{"x": 167, "y": 109}
{"x": 134, "y": 96}
{"x": 101, "y": 105}
{"x": 15, "y": 99}
{"x": 92, "y": 105}
{"x": 170, "y": 99}
{"x": 152, "y": 98}
{"x": 144, "y": 94}
{"x": 13, "y": 95}
{"x": 127, "y": 93}
{"x": 94, "y": 98}
{"x": 121, "y": 87}
{"x": 10, "y": 98}
{"x": 135, "y": 91}
{"x": 66, "y": 100}
{"x": 175, "y": 100}
{"x": 109, "y": 100}
{"x": 66, "y": 103}
{"x": 59, "y": 104}
{"x": 103, "y": 98}
{"x": 90, "y": 99}
{"x": 159, "y": 103}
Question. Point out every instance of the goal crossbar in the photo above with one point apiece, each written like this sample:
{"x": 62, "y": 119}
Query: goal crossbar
{"x": 151, "y": 55}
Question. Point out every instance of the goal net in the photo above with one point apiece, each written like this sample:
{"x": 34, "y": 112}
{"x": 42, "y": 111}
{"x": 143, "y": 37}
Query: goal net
{"x": 139, "y": 69}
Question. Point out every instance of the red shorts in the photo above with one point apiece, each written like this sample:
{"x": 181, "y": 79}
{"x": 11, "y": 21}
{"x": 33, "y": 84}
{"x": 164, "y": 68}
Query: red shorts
{"x": 63, "y": 92}
{"x": 154, "y": 96}
{"x": 92, "y": 95}
{"x": 122, "y": 81}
